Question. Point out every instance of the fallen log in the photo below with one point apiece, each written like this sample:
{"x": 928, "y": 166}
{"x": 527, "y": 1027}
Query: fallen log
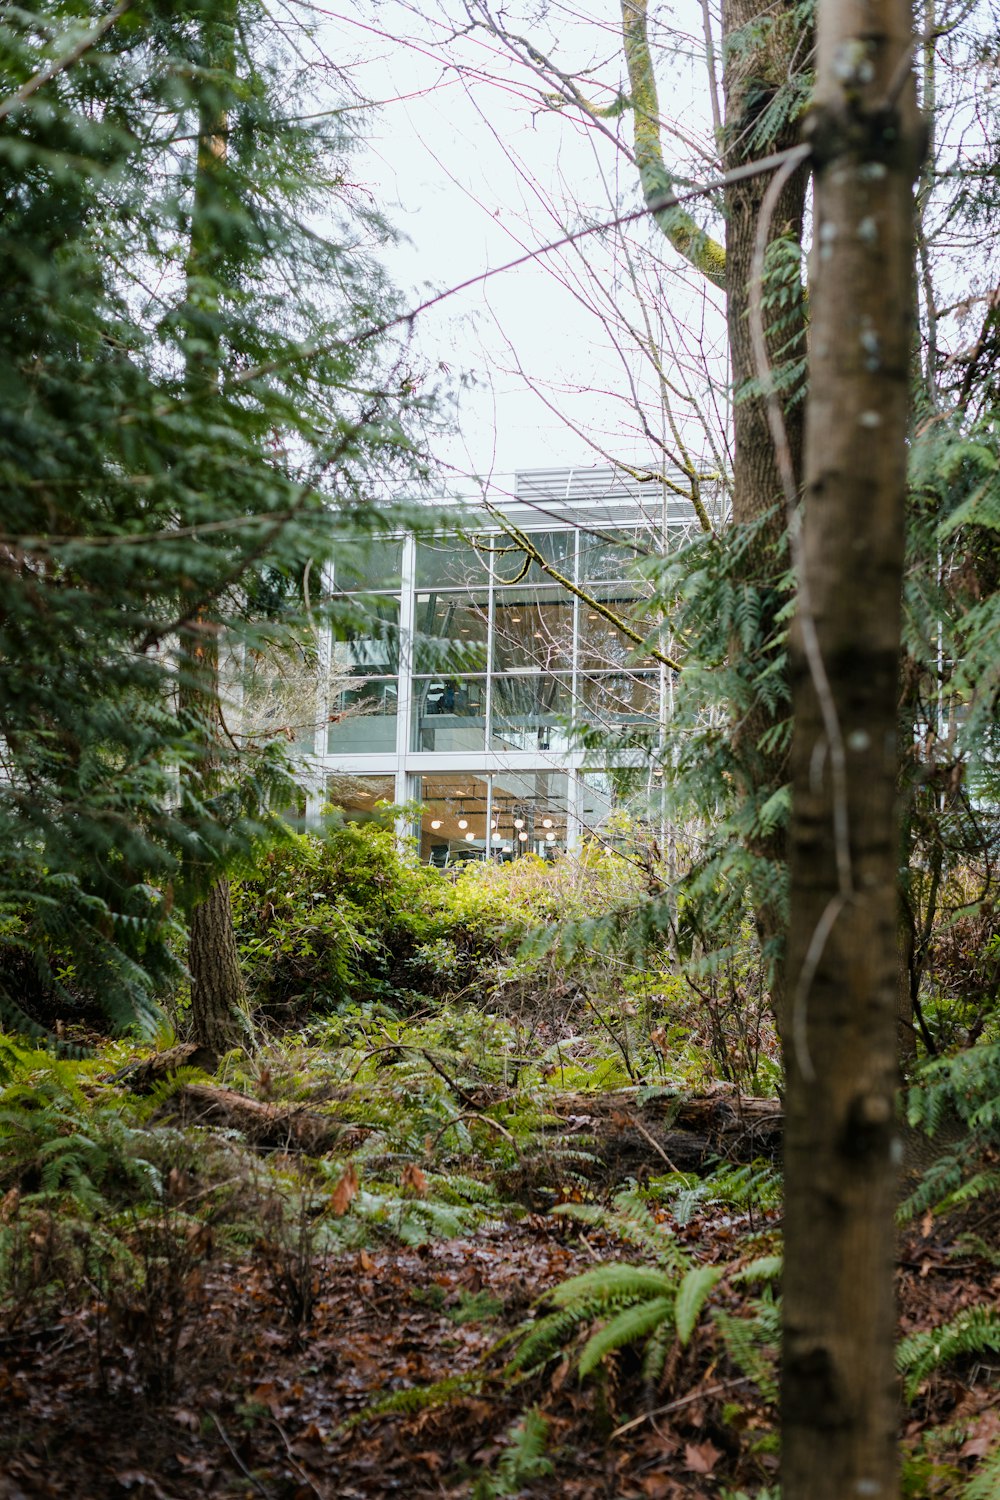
{"x": 628, "y": 1132}
{"x": 638, "y": 1131}
{"x": 283, "y": 1127}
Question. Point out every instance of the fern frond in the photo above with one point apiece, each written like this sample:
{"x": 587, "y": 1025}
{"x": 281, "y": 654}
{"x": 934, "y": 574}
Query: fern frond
{"x": 526, "y": 1458}
{"x": 764, "y": 1268}
{"x": 973, "y": 1331}
{"x": 655, "y": 1357}
{"x": 627, "y": 1327}
{"x": 692, "y": 1295}
{"x": 613, "y": 1281}
{"x": 550, "y": 1335}
{"x": 417, "y": 1398}
{"x": 752, "y": 1343}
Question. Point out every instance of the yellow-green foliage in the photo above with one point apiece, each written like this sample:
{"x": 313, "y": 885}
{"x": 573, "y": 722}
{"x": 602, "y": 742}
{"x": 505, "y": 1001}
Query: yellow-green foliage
{"x": 347, "y": 916}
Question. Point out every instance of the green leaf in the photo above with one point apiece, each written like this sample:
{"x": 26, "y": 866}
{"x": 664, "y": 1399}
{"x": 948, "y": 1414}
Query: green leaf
{"x": 608, "y": 1282}
{"x": 694, "y": 1292}
{"x": 630, "y": 1325}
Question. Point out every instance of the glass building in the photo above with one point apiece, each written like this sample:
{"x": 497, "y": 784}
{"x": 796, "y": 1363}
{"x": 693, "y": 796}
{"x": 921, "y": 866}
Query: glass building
{"x": 478, "y": 658}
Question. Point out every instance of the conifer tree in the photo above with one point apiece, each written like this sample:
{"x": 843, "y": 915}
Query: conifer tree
{"x": 140, "y": 512}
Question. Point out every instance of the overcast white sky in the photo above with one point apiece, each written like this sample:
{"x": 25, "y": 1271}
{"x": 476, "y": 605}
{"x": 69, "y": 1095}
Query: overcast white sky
{"x": 471, "y": 170}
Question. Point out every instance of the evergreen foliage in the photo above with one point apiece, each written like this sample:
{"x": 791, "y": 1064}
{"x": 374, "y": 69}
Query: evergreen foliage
{"x": 136, "y": 514}
{"x": 974, "y": 1331}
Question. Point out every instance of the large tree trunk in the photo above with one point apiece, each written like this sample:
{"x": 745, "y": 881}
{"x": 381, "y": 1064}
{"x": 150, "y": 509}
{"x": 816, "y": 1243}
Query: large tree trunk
{"x": 216, "y": 983}
{"x": 213, "y": 962}
{"x": 753, "y": 74}
{"x": 838, "y": 1383}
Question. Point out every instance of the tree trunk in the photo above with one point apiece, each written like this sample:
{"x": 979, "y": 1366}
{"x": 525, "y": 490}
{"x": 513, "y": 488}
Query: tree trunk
{"x": 838, "y": 1383}
{"x": 217, "y": 991}
{"x": 753, "y": 74}
{"x": 213, "y": 962}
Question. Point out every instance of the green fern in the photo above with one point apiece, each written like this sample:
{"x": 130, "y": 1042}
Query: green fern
{"x": 633, "y": 1304}
{"x": 524, "y": 1460}
{"x": 765, "y": 1268}
{"x": 752, "y": 1340}
{"x": 551, "y": 1335}
{"x": 692, "y": 1294}
{"x": 417, "y": 1398}
{"x": 631, "y": 1221}
{"x": 974, "y": 1331}
{"x": 612, "y": 1282}
{"x": 630, "y": 1326}
{"x": 654, "y": 1359}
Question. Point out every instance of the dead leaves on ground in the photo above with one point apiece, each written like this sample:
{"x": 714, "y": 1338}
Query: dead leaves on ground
{"x": 265, "y": 1409}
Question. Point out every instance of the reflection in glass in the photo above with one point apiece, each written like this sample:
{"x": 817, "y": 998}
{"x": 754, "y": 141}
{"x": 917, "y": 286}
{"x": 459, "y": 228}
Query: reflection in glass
{"x": 602, "y": 644}
{"x": 530, "y": 712}
{"x": 530, "y": 813}
{"x": 371, "y": 642}
{"x": 613, "y": 554}
{"x": 449, "y": 713}
{"x": 363, "y": 718}
{"x": 509, "y": 563}
{"x": 374, "y": 564}
{"x": 453, "y": 819}
{"x": 358, "y": 796}
{"x": 450, "y": 563}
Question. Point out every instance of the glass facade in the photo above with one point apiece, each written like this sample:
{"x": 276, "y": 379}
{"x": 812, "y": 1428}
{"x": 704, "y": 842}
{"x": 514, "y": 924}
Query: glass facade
{"x": 466, "y": 672}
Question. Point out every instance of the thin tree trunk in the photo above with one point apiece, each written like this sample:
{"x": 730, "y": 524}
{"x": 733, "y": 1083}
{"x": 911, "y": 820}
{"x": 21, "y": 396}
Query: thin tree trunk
{"x": 838, "y": 1383}
{"x": 753, "y": 73}
{"x": 217, "y": 990}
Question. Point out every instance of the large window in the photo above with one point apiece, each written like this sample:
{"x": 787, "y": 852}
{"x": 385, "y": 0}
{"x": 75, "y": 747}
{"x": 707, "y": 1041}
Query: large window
{"x": 466, "y": 647}
{"x": 449, "y": 714}
{"x": 362, "y": 717}
{"x": 530, "y": 711}
{"x": 503, "y": 816}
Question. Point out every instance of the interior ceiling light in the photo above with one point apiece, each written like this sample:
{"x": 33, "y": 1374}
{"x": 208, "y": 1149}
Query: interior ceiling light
{"x": 463, "y": 822}
{"x": 435, "y": 822}
{"x": 593, "y": 617}
{"x": 550, "y": 837}
{"x": 470, "y": 835}
{"x": 658, "y": 771}
{"x": 516, "y": 619}
{"x": 546, "y": 822}
{"x": 518, "y": 822}
{"x": 523, "y": 837}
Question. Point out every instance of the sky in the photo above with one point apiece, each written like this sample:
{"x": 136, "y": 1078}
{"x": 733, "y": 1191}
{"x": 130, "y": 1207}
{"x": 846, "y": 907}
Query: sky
{"x": 472, "y": 170}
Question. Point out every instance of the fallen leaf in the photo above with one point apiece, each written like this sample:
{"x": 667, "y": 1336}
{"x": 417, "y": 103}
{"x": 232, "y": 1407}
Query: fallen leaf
{"x": 984, "y": 1438}
{"x": 701, "y": 1458}
{"x": 413, "y": 1181}
{"x": 344, "y": 1192}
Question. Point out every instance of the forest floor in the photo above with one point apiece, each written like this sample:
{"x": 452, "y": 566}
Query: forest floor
{"x": 278, "y": 1364}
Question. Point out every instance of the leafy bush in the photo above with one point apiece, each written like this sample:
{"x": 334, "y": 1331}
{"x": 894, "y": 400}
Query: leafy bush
{"x": 347, "y": 916}
{"x": 334, "y": 917}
